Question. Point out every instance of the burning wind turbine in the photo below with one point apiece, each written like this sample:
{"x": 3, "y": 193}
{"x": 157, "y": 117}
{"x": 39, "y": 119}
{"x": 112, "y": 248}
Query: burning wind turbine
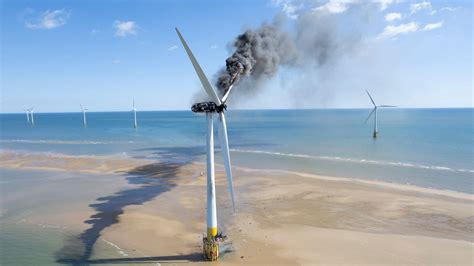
{"x": 375, "y": 116}
{"x": 215, "y": 106}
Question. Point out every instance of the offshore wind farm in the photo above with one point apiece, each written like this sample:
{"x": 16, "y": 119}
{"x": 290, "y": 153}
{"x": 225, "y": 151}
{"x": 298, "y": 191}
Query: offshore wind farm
{"x": 246, "y": 138}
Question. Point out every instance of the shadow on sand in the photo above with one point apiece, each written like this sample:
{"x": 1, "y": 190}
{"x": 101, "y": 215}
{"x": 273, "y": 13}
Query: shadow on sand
{"x": 152, "y": 180}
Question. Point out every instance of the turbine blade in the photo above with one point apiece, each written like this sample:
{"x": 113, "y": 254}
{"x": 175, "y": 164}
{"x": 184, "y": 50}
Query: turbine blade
{"x": 387, "y": 106}
{"x": 226, "y": 155}
{"x": 204, "y": 81}
{"x": 373, "y": 102}
{"x": 373, "y": 110}
{"x": 224, "y": 98}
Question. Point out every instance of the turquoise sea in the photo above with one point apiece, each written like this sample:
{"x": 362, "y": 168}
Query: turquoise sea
{"x": 422, "y": 147}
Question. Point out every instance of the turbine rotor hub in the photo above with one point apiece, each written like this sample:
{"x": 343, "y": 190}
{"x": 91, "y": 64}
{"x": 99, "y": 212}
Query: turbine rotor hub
{"x": 208, "y": 107}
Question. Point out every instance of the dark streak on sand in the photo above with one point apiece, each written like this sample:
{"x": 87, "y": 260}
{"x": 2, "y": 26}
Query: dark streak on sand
{"x": 153, "y": 179}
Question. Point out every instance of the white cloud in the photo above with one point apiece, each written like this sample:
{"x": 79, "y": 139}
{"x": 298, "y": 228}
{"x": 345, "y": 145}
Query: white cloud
{"x": 115, "y": 61}
{"x": 48, "y": 19}
{"x": 385, "y": 3}
{"x": 393, "y": 16}
{"x": 94, "y": 31}
{"x": 214, "y": 46}
{"x": 443, "y": 9}
{"x": 172, "y": 48}
{"x": 122, "y": 29}
{"x": 392, "y": 31}
{"x": 449, "y": 9}
{"x": 335, "y": 6}
{"x": 433, "y": 26}
{"x": 291, "y": 10}
{"x": 289, "y": 7}
{"x": 419, "y": 6}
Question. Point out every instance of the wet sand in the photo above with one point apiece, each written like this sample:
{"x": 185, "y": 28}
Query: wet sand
{"x": 158, "y": 215}
{"x": 61, "y": 162}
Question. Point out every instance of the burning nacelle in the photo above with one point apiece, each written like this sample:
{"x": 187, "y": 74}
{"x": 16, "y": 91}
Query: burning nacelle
{"x": 208, "y": 107}
{"x": 212, "y": 107}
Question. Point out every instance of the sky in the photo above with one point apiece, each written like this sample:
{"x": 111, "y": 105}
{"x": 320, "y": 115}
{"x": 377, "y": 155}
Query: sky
{"x": 57, "y": 55}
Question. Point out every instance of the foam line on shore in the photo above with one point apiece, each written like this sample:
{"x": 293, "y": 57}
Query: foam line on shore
{"x": 120, "y": 250}
{"x": 121, "y": 155}
{"x": 62, "y": 142}
{"x": 353, "y": 160}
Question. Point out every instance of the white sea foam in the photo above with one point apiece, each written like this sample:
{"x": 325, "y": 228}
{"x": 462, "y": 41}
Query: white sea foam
{"x": 22, "y": 153}
{"x": 64, "y": 142}
{"x": 120, "y": 250}
{"x": 354, "y": 160}
{"x": 61, "y": 142}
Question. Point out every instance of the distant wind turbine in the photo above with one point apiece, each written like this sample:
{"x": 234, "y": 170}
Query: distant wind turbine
{"x": 32, "y": 119}
{"x": 27, "y": 111}
{"x": 375, "y": 111}
{"x": 84, "y": 116}
{"x": 134, "y": 110}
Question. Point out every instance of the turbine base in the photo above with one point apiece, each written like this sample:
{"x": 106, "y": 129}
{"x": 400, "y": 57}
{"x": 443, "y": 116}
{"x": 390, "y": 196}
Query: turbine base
{"x": 210, "y": 249}
{"x": 212, "y": 246}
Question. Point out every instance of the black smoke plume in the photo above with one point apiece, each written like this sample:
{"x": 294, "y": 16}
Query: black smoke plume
{"x": 258, "y": 53}
{"x": 312, "y": 43}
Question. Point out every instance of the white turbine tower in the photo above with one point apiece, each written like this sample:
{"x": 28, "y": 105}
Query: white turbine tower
{"x": 84, "y": 120}
{"x": 215, "y": 106}
{"x": 375, "y": 116}
{"x": 27, "y": 111}
{"x": 32, "y": 118}
{"x": 134, "y": 110}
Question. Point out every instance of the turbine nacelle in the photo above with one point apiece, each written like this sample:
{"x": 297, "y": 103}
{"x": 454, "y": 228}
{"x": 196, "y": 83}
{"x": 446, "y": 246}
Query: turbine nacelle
{"x": 208, "y": 107}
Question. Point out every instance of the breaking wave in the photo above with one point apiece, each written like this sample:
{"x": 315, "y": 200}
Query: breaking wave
{"x": 352, "y": 160}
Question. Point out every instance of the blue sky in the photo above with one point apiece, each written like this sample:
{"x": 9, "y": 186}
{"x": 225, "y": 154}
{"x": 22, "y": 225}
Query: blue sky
{"x": 56, "y": 55}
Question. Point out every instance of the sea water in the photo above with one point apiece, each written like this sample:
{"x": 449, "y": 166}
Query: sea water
{"x": 422, "y": 147}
